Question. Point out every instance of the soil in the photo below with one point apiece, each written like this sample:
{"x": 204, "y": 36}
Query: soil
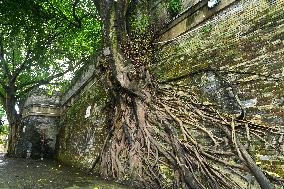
{"x": 19, "y": 173}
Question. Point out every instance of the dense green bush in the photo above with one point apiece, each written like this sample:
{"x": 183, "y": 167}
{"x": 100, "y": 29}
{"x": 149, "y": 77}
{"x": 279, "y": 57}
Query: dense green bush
{"x": 174, "y": 7}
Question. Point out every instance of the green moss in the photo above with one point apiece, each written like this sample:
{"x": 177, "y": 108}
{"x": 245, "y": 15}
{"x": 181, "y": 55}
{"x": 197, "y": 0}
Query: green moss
{"x": 222, "y": 45}
{"x": 167, "y": 173}
{"x": 4, "y": 129}
{"x": 174, "y": 7}
{"x": 139, "y": 19}
{"x": 207, "y": 28}
{"x": 140, "y": 24}
{"x": 79, "y": 133}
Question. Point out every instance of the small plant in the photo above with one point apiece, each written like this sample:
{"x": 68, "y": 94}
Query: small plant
{"x": 140, "y": 23}
{"x": 4, "y": 129}
{"x": 207, "y": 28}
{"x": 174, "y": 7}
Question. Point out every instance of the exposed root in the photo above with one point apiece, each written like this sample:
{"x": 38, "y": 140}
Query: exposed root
{"x": 177, "y": 141}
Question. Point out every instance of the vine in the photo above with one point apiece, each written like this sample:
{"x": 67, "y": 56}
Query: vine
{"x": 139, "y": 48}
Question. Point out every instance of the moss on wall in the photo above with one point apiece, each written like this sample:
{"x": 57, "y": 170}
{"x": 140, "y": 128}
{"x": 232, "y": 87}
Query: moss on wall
{"x": 81, "y": 137}
{"x": 244, "y": 43}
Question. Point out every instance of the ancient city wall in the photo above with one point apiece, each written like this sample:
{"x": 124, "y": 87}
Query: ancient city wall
{"x": 82, "y": 122}
{"x": 245, "y": 44}
{"x": 233, "y": 61}
{"x": 38, "y": 129}
{"x": 231, "y": 56}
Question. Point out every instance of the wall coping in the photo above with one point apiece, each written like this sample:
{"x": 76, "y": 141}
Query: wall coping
{"x": 83, "y": 81}
{"x": 192, "y": 11}
{"x": 39, "y": 110}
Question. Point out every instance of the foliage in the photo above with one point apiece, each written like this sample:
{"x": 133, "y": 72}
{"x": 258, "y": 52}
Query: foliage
{"x": 44, "y": 40}
{"x": 4, "y": 129}
{"x": 76, "y": 75}
{"x": 139, "y": 48}
{"x": 139, "y": 24}
{"x": 2, "y": 113}
{"x": 41, "y": 42}
{"x": 207, "y": 28}
{"x": 174, "y": 7}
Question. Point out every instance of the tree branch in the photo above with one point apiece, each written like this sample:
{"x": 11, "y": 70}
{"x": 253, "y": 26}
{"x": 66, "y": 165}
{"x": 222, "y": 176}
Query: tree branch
{"x": 5, "y": 66}
{"x": 97, "y": 5}
{"x": 1, "y": 49}
{"x": 6, "y": 69}
{"x": 42, "y": 81}
{"x": 28, "y": 61}
{"x": 74, "y": 13}
{"x": 2, "y": 96}
{"x": 23, "y": 66}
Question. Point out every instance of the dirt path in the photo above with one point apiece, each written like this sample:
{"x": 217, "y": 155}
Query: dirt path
{"x": 17, "y": 173}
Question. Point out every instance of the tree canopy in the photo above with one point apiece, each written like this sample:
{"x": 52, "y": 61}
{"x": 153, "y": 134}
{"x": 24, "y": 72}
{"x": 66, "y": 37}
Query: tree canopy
{"x": 40, "y": 41}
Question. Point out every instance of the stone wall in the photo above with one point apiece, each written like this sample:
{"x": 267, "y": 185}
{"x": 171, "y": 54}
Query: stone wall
{"x": 245, "y": 43}
{"x": 84, "y": 80}
{"x": 38, "y": 129}
{"x": 82, "y": 126}
{"x": 34, "y": 130}
{"x": 238, "y": 45}
{"x": 233, "y": 61}
{"x": 190, "y": 14}
{"x": 195, "y": 14}
{"x": 161, "y": 10}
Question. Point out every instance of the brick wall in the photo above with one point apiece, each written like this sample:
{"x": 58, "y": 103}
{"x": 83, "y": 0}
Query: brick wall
{"x": 243, "y": 47}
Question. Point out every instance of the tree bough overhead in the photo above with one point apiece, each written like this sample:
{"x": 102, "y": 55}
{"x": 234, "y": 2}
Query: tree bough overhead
{"x": 162, "y": 128}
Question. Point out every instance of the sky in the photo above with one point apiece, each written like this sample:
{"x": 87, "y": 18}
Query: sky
{"x": 5, "y": 116}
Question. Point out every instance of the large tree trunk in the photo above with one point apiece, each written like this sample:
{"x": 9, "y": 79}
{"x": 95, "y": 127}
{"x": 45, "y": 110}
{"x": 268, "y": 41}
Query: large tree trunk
{"x": 14, "y": 121}
{"x": 123, "y": 154}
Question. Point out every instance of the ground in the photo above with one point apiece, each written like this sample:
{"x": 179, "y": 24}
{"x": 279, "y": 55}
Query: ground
{"x": 17, "y": 173}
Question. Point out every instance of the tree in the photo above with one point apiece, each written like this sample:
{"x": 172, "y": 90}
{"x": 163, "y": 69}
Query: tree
{"x": 151, "y": 122}
{"x": 40, "y": 41}
{"x": 3, "y": 126}
{"x": 2, "y": 113}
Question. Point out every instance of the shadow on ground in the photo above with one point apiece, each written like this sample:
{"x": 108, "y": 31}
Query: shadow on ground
{"x": 17, "y": 173}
